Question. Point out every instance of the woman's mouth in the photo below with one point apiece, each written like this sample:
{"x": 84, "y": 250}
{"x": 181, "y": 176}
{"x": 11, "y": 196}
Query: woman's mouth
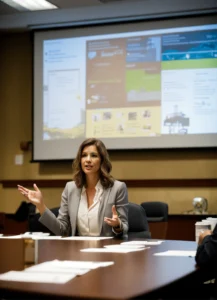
{"x": 88, "y": 167}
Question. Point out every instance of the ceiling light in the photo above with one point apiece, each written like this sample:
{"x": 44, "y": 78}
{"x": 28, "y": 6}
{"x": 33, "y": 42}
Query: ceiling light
{"x": 25, "y": 5}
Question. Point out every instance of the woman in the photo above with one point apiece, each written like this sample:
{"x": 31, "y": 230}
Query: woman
{"x": 93, "y": 204}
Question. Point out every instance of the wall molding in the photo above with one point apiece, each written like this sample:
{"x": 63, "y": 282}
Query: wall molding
{"x": 131, "y": 183}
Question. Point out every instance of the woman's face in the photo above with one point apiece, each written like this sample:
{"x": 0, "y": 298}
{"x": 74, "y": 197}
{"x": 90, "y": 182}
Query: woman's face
{"x": 90, "y": 160}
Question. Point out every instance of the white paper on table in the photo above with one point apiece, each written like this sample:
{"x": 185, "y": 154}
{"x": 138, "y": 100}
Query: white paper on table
{"x": 11, "y": 237}
{"x": 1, "y": 234}
{"x": 36, "y": 233}
{"x": 148, "y": 243}
{"x": 57, "y": 270}
{"x": 111, "y": 250}
{"x": 88, "y": 238}
{"x": 41, "y": 237}
{"x": 27, "y": 235}
{"x": 176, "y": 253}
{"x": 33, "y": 234}
{"x": 69, "y": 265}
{"x": 121, "y": 246}
{"x": 24, "y": 276}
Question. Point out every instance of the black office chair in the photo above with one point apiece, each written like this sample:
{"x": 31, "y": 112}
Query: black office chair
{"x": 157, "y": 216}
{"x": 35, "y": 226}
{"x": 156, "y": 211}
{"x": 138, "y": 224}
{"x": 22, "y": 212}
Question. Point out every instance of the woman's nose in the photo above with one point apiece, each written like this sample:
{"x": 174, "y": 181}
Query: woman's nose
{"x": 88, "y": 157}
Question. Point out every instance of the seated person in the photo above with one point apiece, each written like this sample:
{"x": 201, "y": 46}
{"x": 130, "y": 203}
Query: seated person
{"x": 93, "y": 204}
{"x": 206, "y": 258}
{"x": 197, "y": 287}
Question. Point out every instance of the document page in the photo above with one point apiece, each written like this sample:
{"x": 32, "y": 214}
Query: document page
{"x": 11, "y": 236}
{"x": 88, "y": 238}
{"x": 55, "y": 271}
{"x": 177, "y": 253}
{"x": 22, "y": 276}
{"x": 128, "y": 246}
{"x": 112, "y": 250}
{"x": 144, "y": 243}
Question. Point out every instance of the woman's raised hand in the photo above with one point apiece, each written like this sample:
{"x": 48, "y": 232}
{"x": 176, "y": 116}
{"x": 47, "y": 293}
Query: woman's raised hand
{"x": 114, "y": 221}
{"x": 35, "y": 197}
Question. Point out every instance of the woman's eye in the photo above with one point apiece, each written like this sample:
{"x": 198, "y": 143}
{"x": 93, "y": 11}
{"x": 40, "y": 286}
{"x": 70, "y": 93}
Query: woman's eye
{"x": 91, "y": 155}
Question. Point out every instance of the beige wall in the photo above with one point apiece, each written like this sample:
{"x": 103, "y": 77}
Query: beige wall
{"x": 16, "y": 126}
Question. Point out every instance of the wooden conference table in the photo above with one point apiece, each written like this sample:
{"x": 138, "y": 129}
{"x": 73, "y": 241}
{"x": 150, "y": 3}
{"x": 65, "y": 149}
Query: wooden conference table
{"x": 133, "y": 274}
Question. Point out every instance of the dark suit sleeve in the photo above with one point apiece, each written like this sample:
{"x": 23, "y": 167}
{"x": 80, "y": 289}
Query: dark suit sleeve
{"x": 206, "y": 255}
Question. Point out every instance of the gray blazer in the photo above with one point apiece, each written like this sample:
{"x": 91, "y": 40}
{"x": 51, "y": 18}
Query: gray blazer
{"x": 65, "y": 223}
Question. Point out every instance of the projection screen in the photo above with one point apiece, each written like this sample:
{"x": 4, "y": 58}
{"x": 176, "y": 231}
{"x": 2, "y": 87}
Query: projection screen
{"x": 142, "y": 85}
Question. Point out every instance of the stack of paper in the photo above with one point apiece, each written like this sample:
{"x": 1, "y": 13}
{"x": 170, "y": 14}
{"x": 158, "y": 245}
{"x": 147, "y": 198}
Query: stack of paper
{"x": 35, "y": 234}
{"x": 144, "y": 243}
{"x": 27, "y": 235}
{"x": 177, "y": 253}
{"x": 54, "y": 271}
{"x": 124, "y": 247}
{"x": 117, "y": 248}
{"x": 11, "y": 236}
{"x": 88, "y": 238}
{"x": 46, "y": 236}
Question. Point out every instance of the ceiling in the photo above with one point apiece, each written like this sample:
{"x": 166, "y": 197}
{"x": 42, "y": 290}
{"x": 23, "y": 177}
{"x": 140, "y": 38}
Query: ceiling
{"x": 12, "y": 19}
{"x": 77, "y": 12}
{"x": 62, "y": 4}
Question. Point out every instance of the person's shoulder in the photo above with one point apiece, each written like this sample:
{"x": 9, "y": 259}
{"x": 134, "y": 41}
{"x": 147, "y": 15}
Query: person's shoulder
{"x": 118, "y": 184}
{"x": 71, "y": 185}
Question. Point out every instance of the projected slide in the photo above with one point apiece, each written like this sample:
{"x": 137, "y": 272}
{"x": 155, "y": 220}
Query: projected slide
{"x": 126, "y": 87}
{"x": 64, "y": 110}
{"x": 143, "y": 74}
{"x": 123, "y": 78}
{"x": 189, "y": 45}
{"x": 189, "y": 81}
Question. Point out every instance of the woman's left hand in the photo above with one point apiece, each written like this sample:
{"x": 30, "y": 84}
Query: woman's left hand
{"x": 114, "y": 221}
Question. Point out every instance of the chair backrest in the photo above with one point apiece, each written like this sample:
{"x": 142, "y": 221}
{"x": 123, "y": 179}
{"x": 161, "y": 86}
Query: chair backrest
{"x": 156, "y": 211}
{"x": 138, "y": 224}
{"x": 157, "y": 216}
{"x": 34, "y": 224}
{"x": 23, "y": 211}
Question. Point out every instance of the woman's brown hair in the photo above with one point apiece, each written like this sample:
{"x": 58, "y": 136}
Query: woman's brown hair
{"x": 105, "y": 178}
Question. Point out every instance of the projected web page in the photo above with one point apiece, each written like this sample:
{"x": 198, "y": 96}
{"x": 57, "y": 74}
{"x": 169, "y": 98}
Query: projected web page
{"x": 64, "y": 73}
{"x": 134, "y": 84}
